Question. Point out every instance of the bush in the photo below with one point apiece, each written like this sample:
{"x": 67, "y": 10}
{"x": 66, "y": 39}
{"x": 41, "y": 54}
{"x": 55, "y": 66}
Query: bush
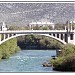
{"x": 56, "y": 63}
{"x": 69, "y": 63}
{"x": 0, "y": 53}
{"x": 7, "y": 48}
{"x": 67, "y": 49}
{"x": 64, "y": 64}
{"x": 66, "y": 60}
{"x": 40, "y": 42}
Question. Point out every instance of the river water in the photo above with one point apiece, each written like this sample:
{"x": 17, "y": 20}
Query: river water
{"x": 27, "y": 61}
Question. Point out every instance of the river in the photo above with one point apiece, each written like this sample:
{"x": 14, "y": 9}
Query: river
{"x": 27, "y": 61}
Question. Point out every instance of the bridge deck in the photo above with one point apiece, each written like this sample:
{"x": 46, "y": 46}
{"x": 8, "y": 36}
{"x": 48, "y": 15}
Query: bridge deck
{"x": 34, "y": 31}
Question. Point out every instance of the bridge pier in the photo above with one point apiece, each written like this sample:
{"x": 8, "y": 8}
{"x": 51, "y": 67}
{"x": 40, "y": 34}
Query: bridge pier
{"x": 4, "y": 36}
{"x": 71, "y": 38}
{"x": 51, "y": 34}
{"x": 8, "y": 35}
{"x": 63, "y": 37}
{"x": 0, "y": 37}
{"x": 68, "y": 38}
{"x": 59, "y": 36}
{"x": 12, "y": 34}
{"x": 74, "y": 38}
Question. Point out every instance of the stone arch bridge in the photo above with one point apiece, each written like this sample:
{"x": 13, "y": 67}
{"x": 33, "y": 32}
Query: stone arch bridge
{"x": 62, "y": 36}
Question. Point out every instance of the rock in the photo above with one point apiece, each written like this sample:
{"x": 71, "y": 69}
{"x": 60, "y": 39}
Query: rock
{"x": 45, "y": 64}
{"x": 53, "y": 57}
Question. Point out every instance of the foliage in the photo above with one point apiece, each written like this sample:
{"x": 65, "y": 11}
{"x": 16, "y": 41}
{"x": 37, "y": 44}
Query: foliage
{"x": 1, "y": 53}
{"x": 57, "y": 62}
{"x": 60, "y": 26}
{"x": 66, "y": 60}
{"x": 64, "y": 63}
{"x": 38, "y": 42}
{"x": 69, "y": 63}
{"x": 68, "y": 49}
{"x": 8, "y": 48}
{"x": 15, "y": 27}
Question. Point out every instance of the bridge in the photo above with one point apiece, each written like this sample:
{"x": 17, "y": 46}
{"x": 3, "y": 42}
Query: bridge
{"x": 64, "y": 36}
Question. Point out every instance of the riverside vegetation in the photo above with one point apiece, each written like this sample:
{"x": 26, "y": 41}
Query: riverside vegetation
{"x": 38, "y": 42}
{"x": 8, "y": 48}
{"x": 65, "y": 60}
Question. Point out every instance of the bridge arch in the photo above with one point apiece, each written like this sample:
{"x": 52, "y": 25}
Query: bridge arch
{"x": 17, "y": 35}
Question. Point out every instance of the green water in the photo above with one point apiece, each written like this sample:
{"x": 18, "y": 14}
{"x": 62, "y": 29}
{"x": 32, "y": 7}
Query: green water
{"x": 27, "y": 61}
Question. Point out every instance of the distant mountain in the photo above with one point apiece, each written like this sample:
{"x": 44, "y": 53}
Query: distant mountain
{"x": 24, "y": 13}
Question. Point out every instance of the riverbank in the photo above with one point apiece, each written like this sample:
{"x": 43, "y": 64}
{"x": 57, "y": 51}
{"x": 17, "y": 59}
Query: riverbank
{"x": 65, "y": 60}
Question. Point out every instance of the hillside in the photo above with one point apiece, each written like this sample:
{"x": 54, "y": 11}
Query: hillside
{"x": 23, "y": 13}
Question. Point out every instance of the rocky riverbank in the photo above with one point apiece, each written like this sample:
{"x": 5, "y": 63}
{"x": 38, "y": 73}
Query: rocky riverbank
{"x": 46, "y": 64}
{"x": 65, "y": 60}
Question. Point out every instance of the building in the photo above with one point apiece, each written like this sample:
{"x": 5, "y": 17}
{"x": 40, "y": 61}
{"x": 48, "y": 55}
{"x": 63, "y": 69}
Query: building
{"x": 42, "y": 24}
{"x": 72, "y": 22}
